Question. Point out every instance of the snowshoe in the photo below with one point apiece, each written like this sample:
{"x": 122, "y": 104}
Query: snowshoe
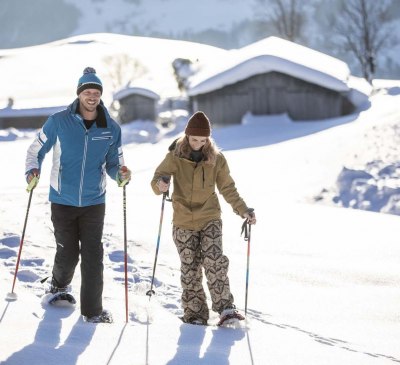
{"x": 59, "y": 297}
{"x": 104, "y": 317}
{"x": 194, "y": 321}
{"x": 229, "y": 317}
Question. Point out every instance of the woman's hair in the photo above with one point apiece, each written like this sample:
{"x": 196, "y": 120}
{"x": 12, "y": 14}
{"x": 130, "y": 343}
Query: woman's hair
{"x": 210, "y": 149}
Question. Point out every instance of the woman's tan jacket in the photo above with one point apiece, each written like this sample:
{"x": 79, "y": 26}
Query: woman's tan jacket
{"x": 194, "y": 199}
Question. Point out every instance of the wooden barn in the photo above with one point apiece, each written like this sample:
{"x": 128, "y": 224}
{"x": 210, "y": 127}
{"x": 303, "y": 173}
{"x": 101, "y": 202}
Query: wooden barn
{"x": 136, "y": 103}
{"x": 26, "y": 118}
{"x": 273, "y": 76}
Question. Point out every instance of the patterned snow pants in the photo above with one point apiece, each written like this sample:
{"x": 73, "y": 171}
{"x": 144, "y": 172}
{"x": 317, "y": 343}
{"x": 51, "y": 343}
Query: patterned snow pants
{"x": 197, "y": 250}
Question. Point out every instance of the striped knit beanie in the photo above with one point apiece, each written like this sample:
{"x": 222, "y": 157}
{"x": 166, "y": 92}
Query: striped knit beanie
{"x": 89, "y": 80}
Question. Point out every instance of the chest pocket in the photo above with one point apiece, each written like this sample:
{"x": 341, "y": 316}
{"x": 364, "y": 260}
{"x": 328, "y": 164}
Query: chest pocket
{"x": 101, "y": 138}
{"x": 100, "y": 144}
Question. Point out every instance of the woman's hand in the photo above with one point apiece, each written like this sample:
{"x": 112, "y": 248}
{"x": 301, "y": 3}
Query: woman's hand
{"x": 250, "y": 216}
{"x": 163, "y": 183}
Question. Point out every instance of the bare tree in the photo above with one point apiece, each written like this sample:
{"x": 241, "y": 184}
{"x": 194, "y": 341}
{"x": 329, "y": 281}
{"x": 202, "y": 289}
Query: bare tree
{"x": 361, "y": 25}
{"x": 122, "y": 69}
{"x": 183, "y": 69}
{"x": 286, "y": 16}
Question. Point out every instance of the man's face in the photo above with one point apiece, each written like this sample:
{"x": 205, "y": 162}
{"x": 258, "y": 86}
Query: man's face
{"x": 89, "y": 99}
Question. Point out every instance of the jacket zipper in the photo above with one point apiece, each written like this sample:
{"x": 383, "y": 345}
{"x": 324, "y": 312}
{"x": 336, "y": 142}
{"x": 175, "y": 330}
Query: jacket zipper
{"x": 102, "y": 178}
{"x": 83, "y": 168}
{"x": 59, "y": 179}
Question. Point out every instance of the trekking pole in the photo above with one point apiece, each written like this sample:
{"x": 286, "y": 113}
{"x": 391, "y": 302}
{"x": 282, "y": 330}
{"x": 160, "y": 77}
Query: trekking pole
{"x": 31, "y": 186}
{"x": 165, "y": 195}
{"x": 247, "y": 269}
{"x": 123, "y": 168}
{"x": 125, "y": 255}
{"x": 247, "y": 237}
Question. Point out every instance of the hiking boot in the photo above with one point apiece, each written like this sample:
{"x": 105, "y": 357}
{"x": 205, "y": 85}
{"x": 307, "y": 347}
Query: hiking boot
{"x": 54, "y": 289}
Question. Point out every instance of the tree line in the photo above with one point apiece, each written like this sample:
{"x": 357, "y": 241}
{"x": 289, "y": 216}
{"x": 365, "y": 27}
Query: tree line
{"x": 358, "y": 27}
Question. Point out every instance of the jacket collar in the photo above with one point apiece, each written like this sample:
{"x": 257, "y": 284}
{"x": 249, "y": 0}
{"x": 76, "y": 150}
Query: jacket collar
{"x": 101, "y": 120}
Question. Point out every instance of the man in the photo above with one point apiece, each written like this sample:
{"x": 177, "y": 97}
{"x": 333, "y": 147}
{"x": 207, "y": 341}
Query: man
{"x": 86, "y": 145}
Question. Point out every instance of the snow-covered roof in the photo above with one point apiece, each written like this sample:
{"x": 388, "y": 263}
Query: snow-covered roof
{"x": 272, "y": 54}
{"x": 123, "y": 93}
{"x": 29, "y": 112}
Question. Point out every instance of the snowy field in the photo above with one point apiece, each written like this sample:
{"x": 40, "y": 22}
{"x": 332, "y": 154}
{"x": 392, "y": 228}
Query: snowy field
{"x": 324, "y": 280}
{"x": 324, "y": 266}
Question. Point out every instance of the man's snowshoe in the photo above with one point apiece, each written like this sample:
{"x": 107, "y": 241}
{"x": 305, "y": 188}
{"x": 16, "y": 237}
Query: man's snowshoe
{"x": 59, "y": 296}
{"x": 104, "y": 317}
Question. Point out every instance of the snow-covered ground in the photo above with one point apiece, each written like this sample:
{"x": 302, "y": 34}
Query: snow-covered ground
{"x": 324, "y": 280}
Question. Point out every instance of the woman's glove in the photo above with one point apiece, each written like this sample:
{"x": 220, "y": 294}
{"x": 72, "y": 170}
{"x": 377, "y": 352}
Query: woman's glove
{"x": 163, "y": 183}
{"x": 250, "y": 216}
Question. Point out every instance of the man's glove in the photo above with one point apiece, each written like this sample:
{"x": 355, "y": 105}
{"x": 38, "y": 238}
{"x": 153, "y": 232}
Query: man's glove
{"x": 123, "y": 176}
{"x": 32, "y": 178}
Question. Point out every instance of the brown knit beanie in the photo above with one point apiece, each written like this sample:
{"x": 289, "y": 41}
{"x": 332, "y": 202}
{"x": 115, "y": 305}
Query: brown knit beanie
{"x": 198, "y": 125}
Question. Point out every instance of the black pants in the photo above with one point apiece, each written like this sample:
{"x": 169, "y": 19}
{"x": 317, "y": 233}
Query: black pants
{"x": 84, "y": 225}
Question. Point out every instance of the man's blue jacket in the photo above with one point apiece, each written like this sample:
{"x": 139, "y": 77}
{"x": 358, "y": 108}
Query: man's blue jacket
{"x": 81, "y": 157}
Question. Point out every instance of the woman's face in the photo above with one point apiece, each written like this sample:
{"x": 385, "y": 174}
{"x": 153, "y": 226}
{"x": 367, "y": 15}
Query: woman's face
{"x": 196, "y": 142}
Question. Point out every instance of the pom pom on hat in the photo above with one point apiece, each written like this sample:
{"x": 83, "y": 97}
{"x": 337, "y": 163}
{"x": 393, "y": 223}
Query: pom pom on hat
{"x": 198, "y": 125}
{"x": 89, "y": 80}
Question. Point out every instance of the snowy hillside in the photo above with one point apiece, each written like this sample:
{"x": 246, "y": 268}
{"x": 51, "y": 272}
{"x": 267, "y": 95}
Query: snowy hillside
{"x": 164, "y": 17}
{"x": 155, "y": 18}
{"x": 222, "y": 23}
{"x": 44, "y": 83}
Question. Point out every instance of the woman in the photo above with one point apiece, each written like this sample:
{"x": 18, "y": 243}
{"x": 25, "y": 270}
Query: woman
{"x": 197, "y": 168}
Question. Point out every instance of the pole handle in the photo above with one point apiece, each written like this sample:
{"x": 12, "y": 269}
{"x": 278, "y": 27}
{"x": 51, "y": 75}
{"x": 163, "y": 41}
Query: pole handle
{"x": 124, "y": 182}
{"x": 32, "y": 184}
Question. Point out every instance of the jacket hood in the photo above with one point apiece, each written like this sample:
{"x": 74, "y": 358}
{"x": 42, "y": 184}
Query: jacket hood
{"x": 173, "y": 145}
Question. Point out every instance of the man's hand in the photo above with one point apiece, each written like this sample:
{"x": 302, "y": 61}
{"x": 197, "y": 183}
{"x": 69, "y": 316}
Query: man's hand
{"x": 32, "y": 178}
{"x": 123, "y": 176}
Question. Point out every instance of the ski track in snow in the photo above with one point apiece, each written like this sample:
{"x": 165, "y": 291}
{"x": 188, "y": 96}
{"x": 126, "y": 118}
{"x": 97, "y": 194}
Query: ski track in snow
{"x": 141, "y": 311}
{"x": 262, "y": 317}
